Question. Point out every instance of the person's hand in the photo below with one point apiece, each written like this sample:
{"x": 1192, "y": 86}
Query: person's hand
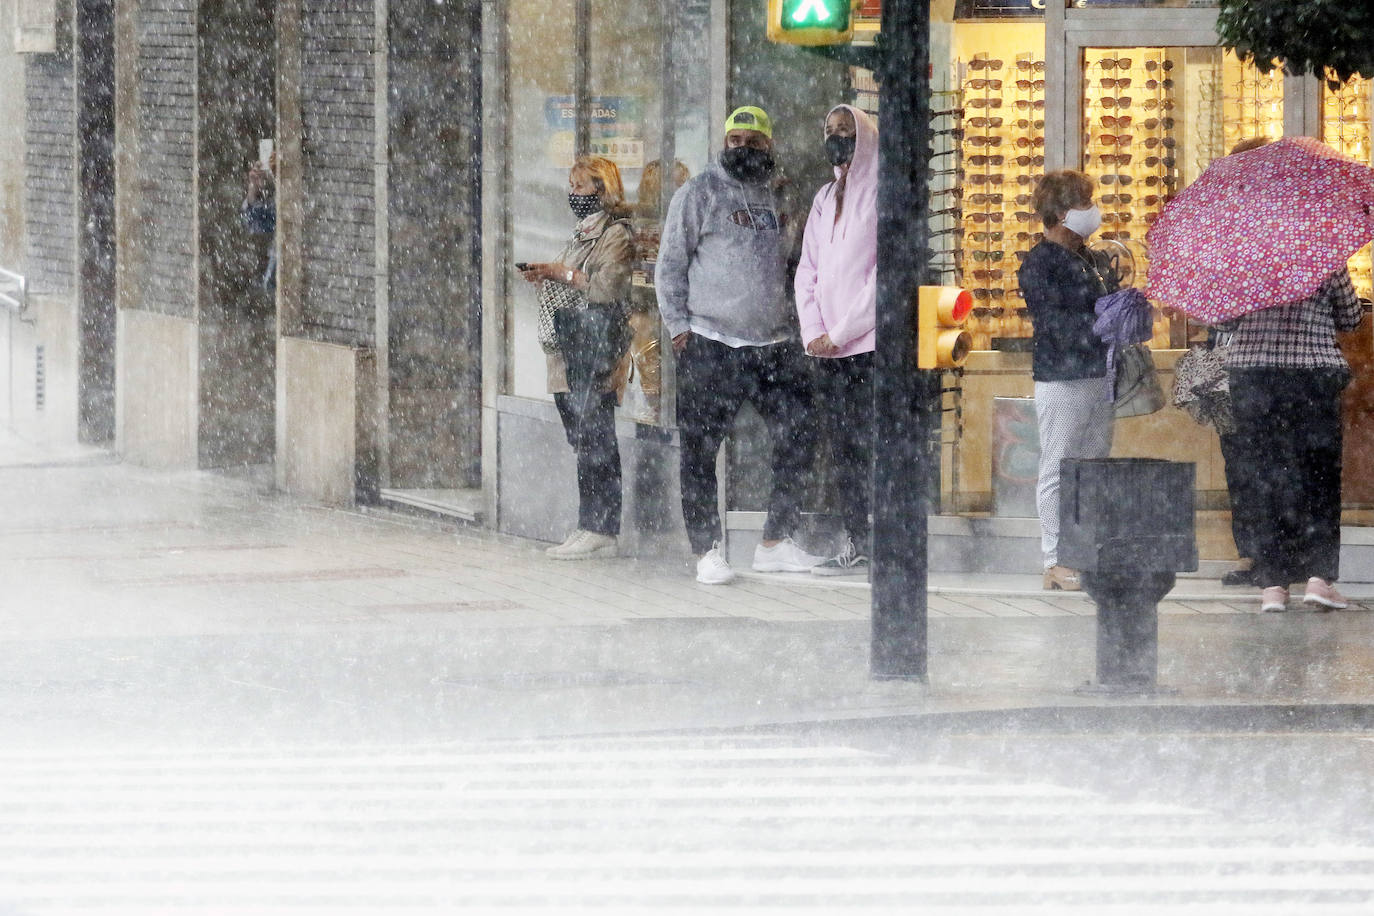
{"x": 257, "y": 182}
{"x": 822, "y": 346}
{"x": 680, "y": 341}
{"x": 535, "y": 273}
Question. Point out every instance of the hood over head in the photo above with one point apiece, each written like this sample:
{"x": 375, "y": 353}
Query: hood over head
{"x": 863, "y": 168}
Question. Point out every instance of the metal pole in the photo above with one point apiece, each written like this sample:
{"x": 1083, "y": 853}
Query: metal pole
{"x": 582, "y": 66}
{"x": 906, "y": 402}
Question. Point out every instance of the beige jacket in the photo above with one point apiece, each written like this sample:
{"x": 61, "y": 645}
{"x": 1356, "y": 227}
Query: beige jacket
{"x": 608, "y": 250}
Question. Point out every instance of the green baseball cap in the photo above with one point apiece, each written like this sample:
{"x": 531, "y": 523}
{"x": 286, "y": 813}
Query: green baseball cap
{"x": 749, "y": 117}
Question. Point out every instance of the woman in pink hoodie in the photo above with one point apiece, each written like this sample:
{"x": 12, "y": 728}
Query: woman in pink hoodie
{"x": 836, "y": 292}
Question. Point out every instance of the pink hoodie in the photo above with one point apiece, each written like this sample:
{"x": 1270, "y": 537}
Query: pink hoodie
{"x": 837, "y": 279}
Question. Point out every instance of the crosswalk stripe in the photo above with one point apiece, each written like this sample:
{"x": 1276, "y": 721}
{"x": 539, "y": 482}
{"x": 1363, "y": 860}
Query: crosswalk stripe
{"x": 623, "y": 825}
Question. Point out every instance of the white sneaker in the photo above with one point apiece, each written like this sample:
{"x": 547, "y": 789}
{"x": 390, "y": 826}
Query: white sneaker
{"x": 567, "y": 542}
{"x": 713, "y": 569}
{"x": 784, "y": 556}
{"x": 589, "y": 546}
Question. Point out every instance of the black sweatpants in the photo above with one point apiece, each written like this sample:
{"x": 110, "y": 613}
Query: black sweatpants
{"x": 845, "y": 388}
{"x": 713, "y": 381}
{"x": 592, "y": 341}
{"x": 1288, "y": 422}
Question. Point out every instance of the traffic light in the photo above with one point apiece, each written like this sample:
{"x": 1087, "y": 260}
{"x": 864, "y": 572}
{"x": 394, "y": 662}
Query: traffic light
{"x": 811, "y": 22}
{"x": 942, "y": 342}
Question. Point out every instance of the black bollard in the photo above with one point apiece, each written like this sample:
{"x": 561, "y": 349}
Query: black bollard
{"x": 1127, "y": 525}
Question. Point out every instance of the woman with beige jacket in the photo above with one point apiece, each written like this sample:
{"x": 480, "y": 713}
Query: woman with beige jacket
{"x": 589, "y": 343}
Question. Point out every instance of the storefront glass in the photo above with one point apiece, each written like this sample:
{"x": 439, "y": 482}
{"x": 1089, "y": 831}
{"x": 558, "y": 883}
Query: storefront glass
{"x": 1346, "y": 126}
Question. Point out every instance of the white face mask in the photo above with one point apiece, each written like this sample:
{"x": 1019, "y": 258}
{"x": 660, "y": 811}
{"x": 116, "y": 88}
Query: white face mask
{"x": 1083, "y": 222}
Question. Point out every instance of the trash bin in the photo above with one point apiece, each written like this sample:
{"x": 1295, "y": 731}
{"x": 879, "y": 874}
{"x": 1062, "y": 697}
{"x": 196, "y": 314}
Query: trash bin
{"x": 1122, "y": 514}
{"x": 1127, "y": 525}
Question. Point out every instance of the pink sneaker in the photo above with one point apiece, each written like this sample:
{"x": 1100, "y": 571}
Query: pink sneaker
{"x": 1324, "y": 595}
{"x": 1274, "y": 599}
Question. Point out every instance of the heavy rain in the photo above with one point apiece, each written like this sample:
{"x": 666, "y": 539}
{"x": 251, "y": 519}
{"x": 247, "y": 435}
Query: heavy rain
{"x": 690, "y": 456}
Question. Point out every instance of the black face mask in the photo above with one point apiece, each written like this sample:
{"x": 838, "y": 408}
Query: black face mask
{"x": 744, "y": 163}
{"x": 839, "y": 149}
{"x": 584, "y": 205}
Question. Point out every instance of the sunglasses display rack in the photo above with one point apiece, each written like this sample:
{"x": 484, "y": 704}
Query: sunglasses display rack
{"x": 1004, "y": 156}
{"x": 1252, "y": 102}
{"x": 1346, "y": 127}
{"x": 1130, "y": 145}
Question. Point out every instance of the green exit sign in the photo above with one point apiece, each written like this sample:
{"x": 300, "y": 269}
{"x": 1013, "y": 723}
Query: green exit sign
{"x": 811, "y": 22}
{"x": 815, "y": 14}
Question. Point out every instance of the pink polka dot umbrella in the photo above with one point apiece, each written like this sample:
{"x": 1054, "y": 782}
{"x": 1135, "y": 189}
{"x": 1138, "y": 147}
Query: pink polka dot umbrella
{"x": 1260, "y": 228}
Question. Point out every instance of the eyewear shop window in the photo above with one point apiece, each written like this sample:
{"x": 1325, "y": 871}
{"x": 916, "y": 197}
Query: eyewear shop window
{"x": 621, "y": 75}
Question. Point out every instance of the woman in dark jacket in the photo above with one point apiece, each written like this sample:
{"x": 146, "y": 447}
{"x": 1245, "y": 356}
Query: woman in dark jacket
{"x": 1061, "y": 280}
{"x": 589, "y": 344}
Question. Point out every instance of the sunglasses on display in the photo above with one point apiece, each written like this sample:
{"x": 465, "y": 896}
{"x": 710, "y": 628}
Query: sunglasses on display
{"x": 995, "y": 311}
{"x": 1030, "y": 142}
{"x": 988, "y": 293}
{"x": 1167, "y": 161}
{"x": 1152, "y": 180}
{"x": 1112, "y": 82}
{"x": 995, "y": 273}
{"x": 1165, "y": 65}
{"x": 982, "y": 200}
{"x": 947, "y": 211}
{"x": 993, "y": 217}
{"x": 1025, "y": 161}
{"x": 956, "y": 132}
{"x": 948, "y": 113}
{"x": 1024, "y": 216}
{"x": 1114, "y": 158}
{"x": 951, "y": 230}
{"x": 1163, "y": 104}
{"x": 1028, "y": 124}
{"x": 986, "y": 160}
{"x": 1152, "y": 123}
{"x": 1022, "y": 200}
{"x": 1117, "y": 200}
{"x": 984, "y": 84}
{"x": 982, "y": 235}
{"x": 1029, "y": 104}
{"x": 1032, "y": 237}
{"x": 1027, "y": 179}
{"x": 1115, "y": 178}
{"x": 1166, "y": 142}
{"x": 1110, "y": 101}
{"x": 1115, "y": 121}
{"x": 983, "y": 63}
{"x": 991, "y": 101}
{"x": 986, "y": 140}
{"x": 985, "y": 122}
{"x": 986, "y": 178}
{"x": 1117, "y": 236}
{"x": 1036, "y": 85}
{"x": 1115, "y": 63}
{"x": 1113, "y": 139}
{"x": 1117, "y": 216}
{"x": 995, "y": 254}
{"x": 1031, "y": 66}
{"x": 1159, "y": 84}
{"x": 952, "y": 192}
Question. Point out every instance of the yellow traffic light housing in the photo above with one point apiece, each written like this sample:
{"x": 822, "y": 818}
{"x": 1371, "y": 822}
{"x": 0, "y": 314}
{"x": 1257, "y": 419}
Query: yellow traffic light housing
{"x": 811, "y": 22}
{"x": 942, "y": 342}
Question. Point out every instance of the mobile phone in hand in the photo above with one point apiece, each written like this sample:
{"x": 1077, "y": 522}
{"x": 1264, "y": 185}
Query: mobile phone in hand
{"x": 522, "y": 265}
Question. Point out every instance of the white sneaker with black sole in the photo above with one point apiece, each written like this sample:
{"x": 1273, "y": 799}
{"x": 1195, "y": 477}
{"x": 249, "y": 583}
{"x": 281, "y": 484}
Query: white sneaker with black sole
{"x": 590, "y": 546}
{"x": 784, "y": 556}
{"x": 848, "y": 562}
{"x": 713, "y": 568}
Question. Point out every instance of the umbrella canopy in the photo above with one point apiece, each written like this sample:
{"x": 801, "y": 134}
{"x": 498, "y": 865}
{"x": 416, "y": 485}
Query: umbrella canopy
{"x": 1260, "y": 228}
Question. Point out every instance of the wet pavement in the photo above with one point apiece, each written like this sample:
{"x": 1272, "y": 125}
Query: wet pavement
{"x": 215, "y": 699}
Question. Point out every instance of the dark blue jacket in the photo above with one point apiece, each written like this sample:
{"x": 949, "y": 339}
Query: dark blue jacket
{"x": 1060, "y": 288}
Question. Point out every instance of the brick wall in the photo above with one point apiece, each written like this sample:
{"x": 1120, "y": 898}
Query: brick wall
{"x": 49, "y": 165}
{"x": 165, "y": 118}
{"x": 338, "y": 234}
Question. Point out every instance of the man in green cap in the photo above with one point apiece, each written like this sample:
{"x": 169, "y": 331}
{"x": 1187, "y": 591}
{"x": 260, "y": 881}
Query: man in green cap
{"x": 722, "y": 281}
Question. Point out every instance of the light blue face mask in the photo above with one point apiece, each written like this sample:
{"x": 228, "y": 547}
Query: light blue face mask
{"x": 1083, "y": 223}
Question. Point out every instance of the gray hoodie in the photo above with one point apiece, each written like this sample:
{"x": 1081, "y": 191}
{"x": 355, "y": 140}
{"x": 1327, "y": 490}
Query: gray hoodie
{"x": 723, "y": 260}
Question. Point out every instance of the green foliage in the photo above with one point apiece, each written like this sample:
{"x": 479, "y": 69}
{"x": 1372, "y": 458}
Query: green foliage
{"x": 1306, "y": 36}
